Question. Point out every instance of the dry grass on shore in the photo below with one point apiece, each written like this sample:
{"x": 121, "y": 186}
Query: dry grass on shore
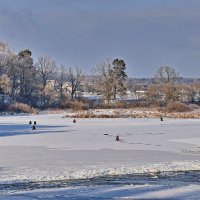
{"x": 133, "y": 113}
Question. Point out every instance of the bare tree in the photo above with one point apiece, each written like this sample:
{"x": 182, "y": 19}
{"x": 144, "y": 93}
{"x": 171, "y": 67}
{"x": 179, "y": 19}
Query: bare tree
{"x": 103, "y": 74}
{"x": 45, "y": 67}
{"x": 154, "y": 94}
{"x": 164, "y": 93}
{"x": 166, "y": 74}
{"x": 74, "y": 78}
{"x": 110, "y": 78}
{"x": 89, "y": 84}
{"x": 166, "y": 77}
{"x": 61, "y": 79}
{"x": 170, "y": 92}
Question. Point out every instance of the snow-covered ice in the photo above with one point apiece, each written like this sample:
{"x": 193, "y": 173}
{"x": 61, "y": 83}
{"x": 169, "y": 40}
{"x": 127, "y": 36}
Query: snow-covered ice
{"x": 62, "y": 150}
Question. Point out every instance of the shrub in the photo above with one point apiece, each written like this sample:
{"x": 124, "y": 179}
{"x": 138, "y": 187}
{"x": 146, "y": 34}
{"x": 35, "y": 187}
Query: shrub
{"x": 85, "y": 115}
{"x": 77, "y": 105}
{"x": 21, "y": 108}
{"x": 177, "y": 107}
{"x": 194, "y": 106}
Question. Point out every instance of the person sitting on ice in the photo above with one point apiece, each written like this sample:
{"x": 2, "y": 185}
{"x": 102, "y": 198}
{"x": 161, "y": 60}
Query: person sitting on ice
{"x": 30, "y": 122}
{"x": 117, "y": 138}
{"x": 34, "y": 122}
{"x": 74, "y": 121}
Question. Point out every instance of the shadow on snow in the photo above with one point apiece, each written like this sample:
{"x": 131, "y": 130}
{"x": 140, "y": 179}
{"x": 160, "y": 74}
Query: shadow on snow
{"x": 24, "y": 129}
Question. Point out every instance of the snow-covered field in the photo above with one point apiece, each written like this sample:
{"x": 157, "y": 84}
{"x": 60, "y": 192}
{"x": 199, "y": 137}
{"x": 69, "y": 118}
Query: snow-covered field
{"x": 66, "y": 160}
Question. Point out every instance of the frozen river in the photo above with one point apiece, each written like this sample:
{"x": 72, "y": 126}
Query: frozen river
{"x": 63, "y": 160}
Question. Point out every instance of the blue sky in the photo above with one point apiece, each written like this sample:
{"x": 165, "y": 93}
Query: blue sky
{"x": 83, "y": 33}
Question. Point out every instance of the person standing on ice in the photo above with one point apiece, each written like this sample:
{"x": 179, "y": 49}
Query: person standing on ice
{"x": 33, "y": 127}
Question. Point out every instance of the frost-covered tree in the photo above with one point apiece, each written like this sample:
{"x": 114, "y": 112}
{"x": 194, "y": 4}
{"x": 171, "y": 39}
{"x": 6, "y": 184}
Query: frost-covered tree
{"x": 45, "y": 67}
{"x": 13, "y": 72}
{"x": 5, "y": 53}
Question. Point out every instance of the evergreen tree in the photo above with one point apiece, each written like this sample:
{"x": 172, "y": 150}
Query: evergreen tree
{"x": 119, "y": 76}
{"x": 27, "y": 76}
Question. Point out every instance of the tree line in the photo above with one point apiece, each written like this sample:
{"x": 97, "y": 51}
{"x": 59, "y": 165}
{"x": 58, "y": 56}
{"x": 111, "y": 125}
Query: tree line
{"x": 44, "y": 84}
